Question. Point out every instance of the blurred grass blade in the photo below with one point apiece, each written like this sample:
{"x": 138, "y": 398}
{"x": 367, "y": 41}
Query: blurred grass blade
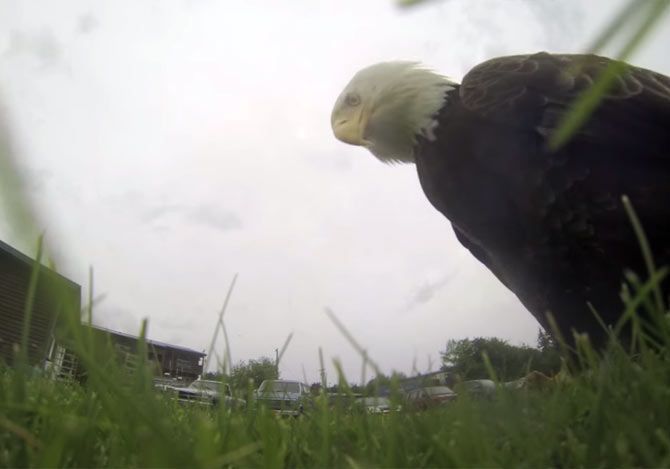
{"x": 489, "y": 367}
{"x": 89, "y": 304}
{"x": 17, "y": 208}
{"x": 30, "y": 304}
{"x": 352, "y": 341}
{"x": 229, "y": 459}
{"x": 227, "y": 358}
{"x": 637, "y": 300}
{"x": 412, "y": 3}
{"x": 656, "y": 11}
{"x": 283, "y": 349}
{"x": 142, "y": 378}
{"x": 582, "y": 109}
{"x": 646, "y": 250}
{"x": 219, "y": 323}
{"x": 322, "y": 370}
{"x": 21, "y": 432}
{"x": 615, "y": 26}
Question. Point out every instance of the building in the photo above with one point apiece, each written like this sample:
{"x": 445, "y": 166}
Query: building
{"x": 166, "y": 360}
{"x": 54, "y": 297}
{"x": 435, "y": 378}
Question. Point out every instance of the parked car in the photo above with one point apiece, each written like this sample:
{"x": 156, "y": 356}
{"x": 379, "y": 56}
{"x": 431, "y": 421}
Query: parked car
{"x": 429, "y": 396}
{"x": 376, "y": 405}
{"x": 477, "y": 388}
{"x": 534, "y": 380}
{"x": 208, "y": 393}
{"x": 286, "y": 398}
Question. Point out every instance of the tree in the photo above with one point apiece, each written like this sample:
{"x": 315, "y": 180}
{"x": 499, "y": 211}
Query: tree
{"x": 464, "y": 358}
{"x": 550, "y": 358}
{"x": 315, "y": 389}
{"x": 251, "y": 374}
{"x": 546, "y": 342}
{"x": 382, "y": 382}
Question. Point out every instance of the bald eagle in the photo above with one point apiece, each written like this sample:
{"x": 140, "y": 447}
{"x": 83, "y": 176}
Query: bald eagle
{"x": 549, "y": 225}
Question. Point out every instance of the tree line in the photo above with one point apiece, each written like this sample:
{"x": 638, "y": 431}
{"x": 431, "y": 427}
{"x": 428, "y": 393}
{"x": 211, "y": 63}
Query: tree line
{"x": 462, "y": 360}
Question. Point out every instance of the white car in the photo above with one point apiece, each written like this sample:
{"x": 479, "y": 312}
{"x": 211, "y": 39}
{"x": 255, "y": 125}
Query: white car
{"x": 376, "y": 405}
{"x": 283, "y": 397}
{"x": 430, "y": 396}
{"x": 207, "y": 392}
{"x": 478, "y": 387}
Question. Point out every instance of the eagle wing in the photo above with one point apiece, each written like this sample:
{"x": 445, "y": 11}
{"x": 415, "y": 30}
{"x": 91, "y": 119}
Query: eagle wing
{"x": 565, "y": 237}
{"x": 622, "y": 148}
{"x": 480, "y": 254}
{"x": 535, "y": 93}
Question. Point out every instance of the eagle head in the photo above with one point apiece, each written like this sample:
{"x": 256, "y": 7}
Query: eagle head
{"x": 386, "y": 106}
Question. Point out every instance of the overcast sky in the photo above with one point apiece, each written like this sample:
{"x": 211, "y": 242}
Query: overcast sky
{"x": 170, "y": 144}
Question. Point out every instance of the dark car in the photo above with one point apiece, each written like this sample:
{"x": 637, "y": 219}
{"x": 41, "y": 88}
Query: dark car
{"x": 376, "y": 405}
{"x": 208, "y": 393}
{"x": 429, "y": 396}
{"x": 286, "y": 398}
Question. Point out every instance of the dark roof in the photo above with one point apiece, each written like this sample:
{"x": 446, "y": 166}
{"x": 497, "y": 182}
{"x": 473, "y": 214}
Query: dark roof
{"x": 155, "y": 343}
{"x": 29, "y": 261}
{"x": 15, "y": 253}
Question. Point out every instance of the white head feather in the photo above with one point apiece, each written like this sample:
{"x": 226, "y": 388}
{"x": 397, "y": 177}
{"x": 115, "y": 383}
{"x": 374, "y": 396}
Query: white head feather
{"x": 386, "y": 106}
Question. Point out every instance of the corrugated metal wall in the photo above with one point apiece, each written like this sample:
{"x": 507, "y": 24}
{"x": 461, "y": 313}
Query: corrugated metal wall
{"x": 177, "y": 361}
{"x": 52, "y": 289}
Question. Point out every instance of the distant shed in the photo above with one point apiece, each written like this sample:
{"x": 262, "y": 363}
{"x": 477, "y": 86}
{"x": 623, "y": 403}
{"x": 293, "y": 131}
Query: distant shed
{"x": 45, "y": 346}
{"x": 53, "y": 293}
{"x": 167, "y": 360}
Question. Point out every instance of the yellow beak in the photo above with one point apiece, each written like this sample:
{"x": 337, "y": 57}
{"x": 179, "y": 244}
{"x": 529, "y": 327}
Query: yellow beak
{"x": 351, "y": 129}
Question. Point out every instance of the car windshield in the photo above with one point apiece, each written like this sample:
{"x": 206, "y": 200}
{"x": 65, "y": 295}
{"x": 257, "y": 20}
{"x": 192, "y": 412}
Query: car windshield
{"x": 279, "y": 386}
{"x": 438, "y": 390}
{"x": 479, "y": 385}
{"x": 376, "y": 401}
{"x": 206, "y": 385}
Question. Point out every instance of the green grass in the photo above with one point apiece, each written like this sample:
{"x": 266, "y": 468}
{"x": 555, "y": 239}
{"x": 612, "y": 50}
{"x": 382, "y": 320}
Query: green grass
{"x": 616, "y": 412}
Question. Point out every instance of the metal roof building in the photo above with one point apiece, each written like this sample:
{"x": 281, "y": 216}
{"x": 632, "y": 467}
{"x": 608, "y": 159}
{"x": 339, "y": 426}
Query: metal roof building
{"x": 53, "y": 294}
{"x": 46, "y": 345}
{"x": 167, "y": 360}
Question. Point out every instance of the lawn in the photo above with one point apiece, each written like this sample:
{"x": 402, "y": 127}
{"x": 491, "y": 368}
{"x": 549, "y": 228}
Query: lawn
{"x": 613, "y": 413}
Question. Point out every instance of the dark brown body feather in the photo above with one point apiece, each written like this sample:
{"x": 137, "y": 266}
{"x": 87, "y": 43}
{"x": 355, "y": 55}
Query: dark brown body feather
{"x": 551, "y": 225}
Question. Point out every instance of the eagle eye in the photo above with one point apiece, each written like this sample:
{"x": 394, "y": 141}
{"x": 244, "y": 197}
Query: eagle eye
{"x": 352, "y": 99}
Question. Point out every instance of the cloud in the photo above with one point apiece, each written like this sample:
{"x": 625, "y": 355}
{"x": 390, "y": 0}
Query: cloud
{"x": 215, "y": 217}
{"x": 42, "y": 46}
{"x": 427, "y": 291}
{"x": 208, "y": 215}
{"x": 36, "y": 180}
{"x": 87, "y": 23}
{"x": 155, "y": 213}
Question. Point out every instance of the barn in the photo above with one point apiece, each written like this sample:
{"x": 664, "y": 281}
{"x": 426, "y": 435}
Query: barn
{"x": 53, "y": 293}
{"x": 47, "y": 344}
{"x": 166, "y": 360}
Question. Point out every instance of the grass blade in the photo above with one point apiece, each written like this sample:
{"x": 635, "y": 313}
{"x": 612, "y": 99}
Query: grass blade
{"x": 646, "y": 250}
{"x": 582, "y": 109}
{"x": 352, "y": 341}
{"x": 30, "y": 304}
